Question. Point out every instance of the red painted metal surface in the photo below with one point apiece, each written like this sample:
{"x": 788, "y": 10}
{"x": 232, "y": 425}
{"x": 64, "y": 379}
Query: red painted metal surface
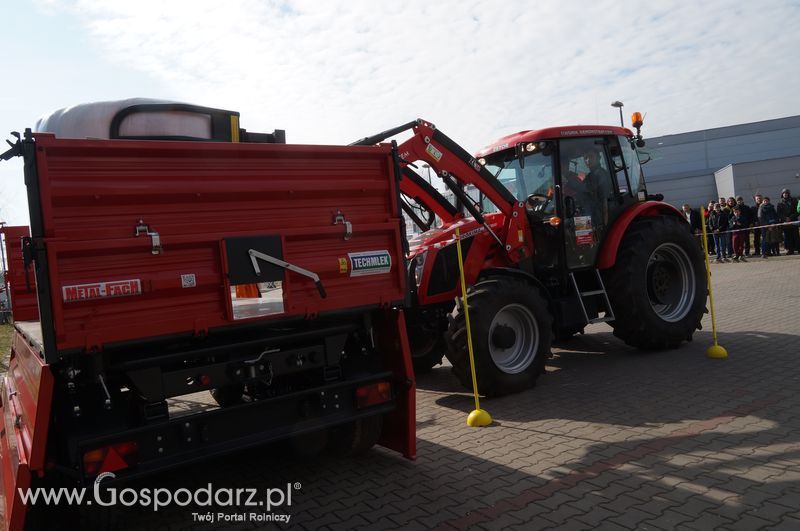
{"x": 608, "y": 253}
{"x": 24, "y": 305}
{"x": 26, "y": 394}
{"x": 551, "y": 133}
{"x": 400, "y": 426}
{"x": 194, "y": 195}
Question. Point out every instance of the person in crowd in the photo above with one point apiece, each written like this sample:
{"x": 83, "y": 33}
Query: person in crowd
{"x": 709, "y": 235}
{"x": 767, "y": 216}
{"x": 727, "y": 207}
{"x": 787, "y": 212}
{"x": 692, "y": 218}
{"x": 757, "y": 199}
{"x": 718, "y": 226}
{"x": 738, "y": 227}
{"x": 747, "y": 215}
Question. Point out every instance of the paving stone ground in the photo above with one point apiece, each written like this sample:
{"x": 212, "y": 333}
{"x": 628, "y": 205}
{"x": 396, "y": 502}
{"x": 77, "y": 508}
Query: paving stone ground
{"x": 611, "y": 438}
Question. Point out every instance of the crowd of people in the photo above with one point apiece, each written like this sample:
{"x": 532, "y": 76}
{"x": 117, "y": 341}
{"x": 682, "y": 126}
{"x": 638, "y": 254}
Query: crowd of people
{"x": 730, "y": 224}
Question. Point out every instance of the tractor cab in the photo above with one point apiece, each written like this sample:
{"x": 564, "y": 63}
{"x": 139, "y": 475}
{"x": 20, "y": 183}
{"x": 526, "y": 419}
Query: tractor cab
{"x": 575, "y": 181}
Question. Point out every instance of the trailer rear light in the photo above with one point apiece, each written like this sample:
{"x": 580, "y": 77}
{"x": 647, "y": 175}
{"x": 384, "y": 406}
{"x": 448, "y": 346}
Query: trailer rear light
{"x": 373, "y": 394}
{"x": 110, "y": 458}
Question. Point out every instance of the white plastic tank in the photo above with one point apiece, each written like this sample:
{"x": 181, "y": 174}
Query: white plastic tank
{"x": 93, "y": 120}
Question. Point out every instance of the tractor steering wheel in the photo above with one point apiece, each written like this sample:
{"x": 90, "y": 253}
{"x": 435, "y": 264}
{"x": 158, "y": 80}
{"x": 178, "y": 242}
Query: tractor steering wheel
{"x": 538, "y": 202}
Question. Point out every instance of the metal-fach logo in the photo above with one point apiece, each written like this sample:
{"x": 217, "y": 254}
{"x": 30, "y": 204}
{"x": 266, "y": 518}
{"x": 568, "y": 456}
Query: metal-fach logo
{"x": 370, "y": 263}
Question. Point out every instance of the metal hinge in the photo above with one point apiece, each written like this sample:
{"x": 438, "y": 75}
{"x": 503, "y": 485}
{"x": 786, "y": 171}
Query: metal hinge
{"x": 143, "y": 228}
{"x": 348, "y": 227}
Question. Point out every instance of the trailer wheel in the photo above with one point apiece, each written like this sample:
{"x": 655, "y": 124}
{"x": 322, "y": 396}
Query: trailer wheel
{"x": 425, "y": 339}
{"x": 658, "y": 285}
{"x": 427, "y": 345}
{"x": 356, "y": 438}
{"x": 511, "y": 335}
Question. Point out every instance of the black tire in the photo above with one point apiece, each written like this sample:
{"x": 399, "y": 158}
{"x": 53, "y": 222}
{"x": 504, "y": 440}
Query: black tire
{"x": 355, "y": 438}
{"x": 658, "y": 286}
{"x": 229, "y": 395}
{"x": 427, "y": 349}
{"x": 506, "y": 315}
{"x": 425, "y": 338}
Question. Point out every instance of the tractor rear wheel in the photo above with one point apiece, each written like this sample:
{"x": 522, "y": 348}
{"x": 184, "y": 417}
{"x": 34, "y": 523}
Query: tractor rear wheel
{"x": 658, "y": 285}
{"x": 511, "y": 335}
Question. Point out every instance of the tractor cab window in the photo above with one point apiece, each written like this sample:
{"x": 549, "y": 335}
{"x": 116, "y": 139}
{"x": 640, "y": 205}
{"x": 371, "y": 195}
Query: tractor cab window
{"x": 633, "y": 167}
{"x": 531, "y": 181}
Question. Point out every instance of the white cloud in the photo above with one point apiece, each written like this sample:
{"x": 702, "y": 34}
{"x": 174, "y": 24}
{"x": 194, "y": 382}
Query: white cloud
{"x": 335, "y": 71}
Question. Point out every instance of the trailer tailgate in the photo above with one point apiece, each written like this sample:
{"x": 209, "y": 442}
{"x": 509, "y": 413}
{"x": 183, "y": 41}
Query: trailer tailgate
{"x": 145, "y": 238}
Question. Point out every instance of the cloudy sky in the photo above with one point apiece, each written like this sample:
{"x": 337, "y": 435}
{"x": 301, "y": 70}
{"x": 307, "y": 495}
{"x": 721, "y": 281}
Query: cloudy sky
{"x": 334, "y": 71}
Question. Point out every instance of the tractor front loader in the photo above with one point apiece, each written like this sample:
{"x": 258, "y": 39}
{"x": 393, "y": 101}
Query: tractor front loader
{"x": 561, "y": 233}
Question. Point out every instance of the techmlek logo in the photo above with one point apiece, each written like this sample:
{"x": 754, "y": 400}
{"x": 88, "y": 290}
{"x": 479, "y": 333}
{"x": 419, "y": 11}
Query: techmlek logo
{"x": 370, "y": 263}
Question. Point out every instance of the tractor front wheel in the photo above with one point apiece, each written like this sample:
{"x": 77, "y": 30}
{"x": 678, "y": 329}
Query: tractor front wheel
{"x": 658, "y": 285}
{"x": 511, "y": 335}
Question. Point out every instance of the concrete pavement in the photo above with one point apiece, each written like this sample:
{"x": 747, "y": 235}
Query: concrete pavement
{"x": 611, "y": 438}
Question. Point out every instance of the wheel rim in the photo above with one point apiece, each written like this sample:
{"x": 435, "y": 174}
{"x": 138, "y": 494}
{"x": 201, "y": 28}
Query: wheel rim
{"x": 513, "y": 338}
{"x": 671, "y": 282}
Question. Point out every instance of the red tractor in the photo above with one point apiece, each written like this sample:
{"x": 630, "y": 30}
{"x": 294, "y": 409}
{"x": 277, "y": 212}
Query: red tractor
{"x": 560, "y": 233}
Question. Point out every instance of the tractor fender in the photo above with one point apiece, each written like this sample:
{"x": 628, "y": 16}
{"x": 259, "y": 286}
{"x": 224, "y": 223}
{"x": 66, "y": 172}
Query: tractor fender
{"x": 608, "y": 252}
{"x": 516, "y": 273}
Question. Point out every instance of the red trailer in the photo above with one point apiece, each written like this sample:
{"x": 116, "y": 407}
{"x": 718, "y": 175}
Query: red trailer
{"x": 271, "y": 274}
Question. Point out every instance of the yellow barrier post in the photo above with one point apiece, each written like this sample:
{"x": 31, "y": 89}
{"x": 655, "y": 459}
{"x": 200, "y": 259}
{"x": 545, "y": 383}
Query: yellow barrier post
{"x": 478, "y": 417}
{"x": 714, "y": 351}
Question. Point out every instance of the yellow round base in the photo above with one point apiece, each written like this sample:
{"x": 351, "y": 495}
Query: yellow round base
{"x": 716, "y": 352}
{"x": 479, "y": 417}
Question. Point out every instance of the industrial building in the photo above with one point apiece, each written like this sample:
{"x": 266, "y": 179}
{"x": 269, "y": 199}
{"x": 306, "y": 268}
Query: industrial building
{"x": 745, "y": 159}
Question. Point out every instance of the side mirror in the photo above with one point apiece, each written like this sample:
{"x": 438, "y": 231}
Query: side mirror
{"x": 520, "y": 152}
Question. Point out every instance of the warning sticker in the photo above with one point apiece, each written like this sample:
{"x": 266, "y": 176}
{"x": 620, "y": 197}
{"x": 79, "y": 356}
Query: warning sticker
{"x": 433, "y": 152}
{"x": 101, "y": 290}
{"x": 584, "y": 232}
{"x": 343, "y": 265}
{"x": 370, "y": 263}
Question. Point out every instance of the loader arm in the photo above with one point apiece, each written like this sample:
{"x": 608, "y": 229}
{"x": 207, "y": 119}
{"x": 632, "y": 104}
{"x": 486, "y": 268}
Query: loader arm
{"x": 451, "y": 161}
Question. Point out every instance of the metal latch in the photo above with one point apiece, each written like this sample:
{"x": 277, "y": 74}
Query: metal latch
{"x": 142, "y": 228}
{"x": 348, "y": 227}
{"x": 255, "y": 256}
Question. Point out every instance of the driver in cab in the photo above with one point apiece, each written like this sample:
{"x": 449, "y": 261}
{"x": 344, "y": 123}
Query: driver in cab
{"x": 588, "y": 188}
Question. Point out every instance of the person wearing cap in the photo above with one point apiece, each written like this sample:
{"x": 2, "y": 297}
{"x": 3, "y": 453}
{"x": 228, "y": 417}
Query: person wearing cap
{"x": 787, "y": 212}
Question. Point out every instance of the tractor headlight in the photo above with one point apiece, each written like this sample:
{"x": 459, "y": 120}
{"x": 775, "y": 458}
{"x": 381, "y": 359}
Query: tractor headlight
{"x": 419, "y": 265}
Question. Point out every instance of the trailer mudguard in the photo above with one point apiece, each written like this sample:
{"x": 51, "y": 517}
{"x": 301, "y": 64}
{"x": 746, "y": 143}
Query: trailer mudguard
{"x": 399, "y": 430}
{"x": 26, "y": 394}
